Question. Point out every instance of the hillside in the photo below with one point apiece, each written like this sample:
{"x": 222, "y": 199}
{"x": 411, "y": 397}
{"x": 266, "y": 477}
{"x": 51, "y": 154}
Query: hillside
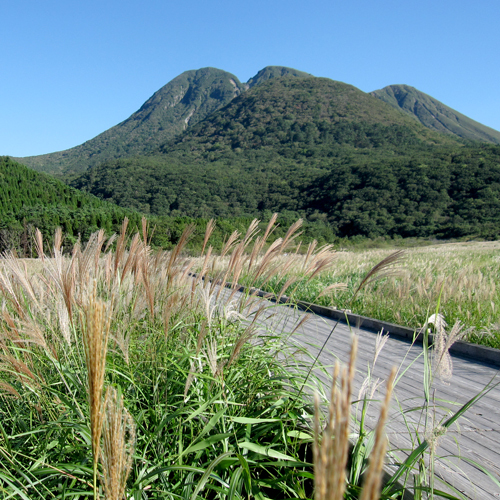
{"x": 319, "y": 149}
{"x": 194, "y": 95}
{"x": 187, "y": 99}
{"x": 434, "y": 114}
{"x": 30, "y": 200}
{"x": 184, "y": 101}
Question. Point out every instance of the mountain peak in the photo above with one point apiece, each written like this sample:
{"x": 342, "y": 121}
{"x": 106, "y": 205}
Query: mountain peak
{"x": 274, "y": 72}
{"x": 434, "y": 114}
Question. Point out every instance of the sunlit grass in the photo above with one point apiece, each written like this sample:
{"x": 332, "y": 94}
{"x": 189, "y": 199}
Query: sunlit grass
{"x": 463, "y": 275}
{"x": 123, "y": 376}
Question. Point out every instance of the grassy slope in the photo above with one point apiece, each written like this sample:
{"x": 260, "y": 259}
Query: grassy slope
{"x": 462, "y": 277}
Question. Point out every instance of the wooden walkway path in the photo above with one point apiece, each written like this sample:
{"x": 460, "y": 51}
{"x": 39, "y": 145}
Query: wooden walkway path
{"x": 476, "y": 438}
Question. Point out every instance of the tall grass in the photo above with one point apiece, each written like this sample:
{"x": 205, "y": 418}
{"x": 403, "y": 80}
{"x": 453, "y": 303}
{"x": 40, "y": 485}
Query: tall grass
{"x": 464, "y": 275}
{"x": 122, "y": 376}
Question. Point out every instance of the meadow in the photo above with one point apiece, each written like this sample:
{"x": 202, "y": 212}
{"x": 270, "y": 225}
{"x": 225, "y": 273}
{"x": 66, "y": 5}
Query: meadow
{"x": 123, "y": 376}
{"x": 461, "y": 276}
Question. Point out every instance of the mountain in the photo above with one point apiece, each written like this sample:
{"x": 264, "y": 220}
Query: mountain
{"x": 314, "y": 148}
{"x": 187, "y": 99}
{"x": 305, "y": 147}
{"x": 434, "y": 114}
{"x": 194, "y": 95}
{"x": 184, "y": 101}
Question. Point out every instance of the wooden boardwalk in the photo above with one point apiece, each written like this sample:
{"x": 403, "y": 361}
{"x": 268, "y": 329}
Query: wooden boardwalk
{"x": 476, "y": 438}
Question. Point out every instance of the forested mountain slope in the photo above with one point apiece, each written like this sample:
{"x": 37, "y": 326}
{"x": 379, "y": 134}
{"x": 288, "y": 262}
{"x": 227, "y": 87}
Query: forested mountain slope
{"x": 187, "y": 99}
{"x": 434, "y": 114}
{"x": 195, "y": 95}
{"x": 29, "y": 200}
{"x": 184, "y": 101}
{"x": 244, "y": 154}
{"x": 316, "y": 148}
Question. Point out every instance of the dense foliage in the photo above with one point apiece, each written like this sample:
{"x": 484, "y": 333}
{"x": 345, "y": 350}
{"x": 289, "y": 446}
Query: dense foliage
{"x": 317, "y": 149}
{"x": 30, "y": 200}
{"x": 348, "y": 163}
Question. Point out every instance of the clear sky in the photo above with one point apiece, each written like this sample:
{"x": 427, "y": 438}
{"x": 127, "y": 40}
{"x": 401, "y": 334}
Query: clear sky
{"x": 71, "y": 69}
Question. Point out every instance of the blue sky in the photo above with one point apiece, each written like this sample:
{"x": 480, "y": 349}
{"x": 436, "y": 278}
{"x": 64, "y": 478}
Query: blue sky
{"x": 71, "y": 69}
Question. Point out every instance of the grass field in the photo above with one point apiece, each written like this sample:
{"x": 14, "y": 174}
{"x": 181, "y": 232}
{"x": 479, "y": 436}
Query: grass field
{"x": 463, "y": 277}
{"x": 121, "y": 376}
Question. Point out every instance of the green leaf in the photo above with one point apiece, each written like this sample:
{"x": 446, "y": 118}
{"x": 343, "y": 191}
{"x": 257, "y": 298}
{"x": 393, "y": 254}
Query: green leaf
{"x": 208, "y": 473}
{"x": 205, "y": 443}
{"x": 299, "y": 435}
{"x": 265, "y": 450}
{"x": 246, "y": 420}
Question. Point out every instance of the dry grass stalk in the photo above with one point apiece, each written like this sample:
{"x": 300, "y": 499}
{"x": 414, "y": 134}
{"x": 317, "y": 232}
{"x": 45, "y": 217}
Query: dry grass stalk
{"x": 204, "y": 267}
{"x": 118, "y": 445}
{"x": 39, "y": 244}
{"x": 208, "y": 232}
{"x": 381, "y": 270}
{"x": 145, "y": 230}
{"x": 95, "y": 329}
{"x": 310, "y": 250}
{"x": 373, "y": 479}
{"x": 58, "y": 239}
{"x": 120, "y": 245}
{"x": 330, "y": 459}
{"x": 6, "y": 390}
{"x": 131, "y": 261}
{"x": 291, "y": 234}
{"x": 252, "y": 230}
{"x": 330, "y": 456}
{"x": 19, "y": 369}
{"x": 329, "y": 288}
{"x": 442, "y": 366}
{"x": 16, "y": 284}
{"x": 231, "y": 241}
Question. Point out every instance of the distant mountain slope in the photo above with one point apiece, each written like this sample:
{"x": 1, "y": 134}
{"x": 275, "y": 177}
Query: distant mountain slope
{"x": 187, "y": 99}
{"x": 195, "y": 95}
{"x": 434, "y": 114}
{"x": 267, "y": 149}
{"x": 184, "y": 101}
{"x": 284, "y": 111}
{"x": 30, "y": 199}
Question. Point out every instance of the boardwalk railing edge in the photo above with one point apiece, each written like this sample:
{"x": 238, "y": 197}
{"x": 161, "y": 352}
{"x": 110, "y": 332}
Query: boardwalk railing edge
{"x": 477, "y": 353}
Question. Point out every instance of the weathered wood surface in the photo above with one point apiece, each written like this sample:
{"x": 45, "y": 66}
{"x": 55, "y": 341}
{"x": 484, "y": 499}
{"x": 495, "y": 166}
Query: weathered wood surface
{"x": 476, "y": 438}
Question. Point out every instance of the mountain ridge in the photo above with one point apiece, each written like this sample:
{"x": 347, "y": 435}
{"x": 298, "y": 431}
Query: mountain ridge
{"x": 188, "y": 98}
{"x": 320, "y": 150}
{"x": 193, "y": 96}
{"x": 434, "y": 114}
{"x": 261, "y": 151}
